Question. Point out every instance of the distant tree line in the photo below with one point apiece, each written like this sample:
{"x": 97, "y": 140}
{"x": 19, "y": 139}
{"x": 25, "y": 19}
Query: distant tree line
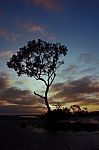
{"x": 64, "y": 113}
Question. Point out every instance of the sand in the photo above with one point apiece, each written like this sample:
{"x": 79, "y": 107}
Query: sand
{"x": 12, "y": 137}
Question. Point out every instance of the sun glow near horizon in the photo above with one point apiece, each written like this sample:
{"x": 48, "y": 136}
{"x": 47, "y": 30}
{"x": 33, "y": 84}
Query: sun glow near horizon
{"x": 77, "y": 81}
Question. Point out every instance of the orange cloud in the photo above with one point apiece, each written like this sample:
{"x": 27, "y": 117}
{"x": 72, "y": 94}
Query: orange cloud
{"x": 82, "y": 91}
{"x": 48, "y": 4}
{"x": 9, "y": 36}
{"x": 15, "y": 100}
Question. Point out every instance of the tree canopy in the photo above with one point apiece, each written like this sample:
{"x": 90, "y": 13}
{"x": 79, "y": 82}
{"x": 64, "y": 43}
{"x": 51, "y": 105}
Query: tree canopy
{"x": 39, "y": 59}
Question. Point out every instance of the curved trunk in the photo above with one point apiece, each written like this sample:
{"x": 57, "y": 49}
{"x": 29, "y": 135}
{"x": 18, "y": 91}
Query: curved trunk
{"x": 47, "y": 104}
{"x": 46, "y": 99}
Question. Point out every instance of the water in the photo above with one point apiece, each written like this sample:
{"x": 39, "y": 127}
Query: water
{"x": 94, "y": 120}
{"x": 29, "y": 116}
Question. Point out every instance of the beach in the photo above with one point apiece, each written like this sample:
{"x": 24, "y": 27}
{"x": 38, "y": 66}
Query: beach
{"x": 13, "y": 137}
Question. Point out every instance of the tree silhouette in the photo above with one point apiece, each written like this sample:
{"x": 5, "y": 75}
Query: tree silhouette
{"x": 39, "y": 59}
{"x": 75, "y": 108}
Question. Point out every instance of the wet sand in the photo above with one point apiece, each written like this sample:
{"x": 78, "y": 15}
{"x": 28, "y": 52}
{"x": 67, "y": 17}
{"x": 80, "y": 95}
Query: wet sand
{"x": 12, "y": 137}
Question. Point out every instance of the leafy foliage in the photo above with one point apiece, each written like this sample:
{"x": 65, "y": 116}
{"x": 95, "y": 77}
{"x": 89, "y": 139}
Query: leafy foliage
{"x": 39, "y": 59}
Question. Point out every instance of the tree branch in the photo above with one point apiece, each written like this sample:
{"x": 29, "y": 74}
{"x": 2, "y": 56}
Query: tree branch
{"x": 38, "y": 95}
{"x": 52, "y": 79}
{"x": 39, "y": 78}
{"x": 42, "y": 80}
{"x": 51, "y": 74}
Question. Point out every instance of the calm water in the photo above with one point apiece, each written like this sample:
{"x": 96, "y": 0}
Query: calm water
{"x": 72, "y": 119}
{"x": 34, "y": 116}
{"x": 85, "y": 120}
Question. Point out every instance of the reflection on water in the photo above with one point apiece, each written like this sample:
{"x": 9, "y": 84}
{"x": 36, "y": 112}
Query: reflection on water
{"x": 94, "y": 121}
{"x": 39, "y": 130}
{"x": 29, "y": 116}
{"x": 84, "y": 120}
{"x": 38, "y": 125}
{"x": 71, "y": 120}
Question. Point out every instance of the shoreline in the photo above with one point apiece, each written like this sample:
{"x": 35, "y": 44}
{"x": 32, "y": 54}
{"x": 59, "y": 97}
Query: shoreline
{"x": 12, "y": 137}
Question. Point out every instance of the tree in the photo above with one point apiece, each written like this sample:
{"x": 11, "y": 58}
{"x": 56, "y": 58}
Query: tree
{"x": 39, "y": 59}
{"x": 75, "y": 109}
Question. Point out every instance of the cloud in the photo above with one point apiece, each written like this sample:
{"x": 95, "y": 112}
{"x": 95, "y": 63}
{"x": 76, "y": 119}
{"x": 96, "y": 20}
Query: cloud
{"x": 82, "y": 85}
{"x": 71, "y": 69}
{"x": 88, "y": 69}
{"x": 5, "y": 54}
{"x": 85, "y": 57}
{"x": 20, "y": 109}
{"x": 13, "y": 97}
{"x": 17, "y": 96}
{"x": 31, "y": 27}
{"x": 82, "y": 90}
{"x": 48, "y": 4}
{"x": 7, "y": 35}
{"x": 4, "y": 82}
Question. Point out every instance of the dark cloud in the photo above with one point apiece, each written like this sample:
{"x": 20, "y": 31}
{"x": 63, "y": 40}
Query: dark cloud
{"x": 12, "y": 97}
{"x": 82, "y": 85}
{"x": 4, "y": 83}
{"x": 18, "y": 96}
{"x": 19, "y": 109}
{"x": 82, "y": 90}
{"x": 71, "y": 69}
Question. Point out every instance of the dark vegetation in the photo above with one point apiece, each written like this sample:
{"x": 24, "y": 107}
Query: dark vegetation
{"x": 39, "y": 59}
{"x": 69, "y": 119}
{"x": 59, "y": 119}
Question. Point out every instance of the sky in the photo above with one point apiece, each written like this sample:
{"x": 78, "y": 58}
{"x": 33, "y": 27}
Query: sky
{"x": 74, "y": 23}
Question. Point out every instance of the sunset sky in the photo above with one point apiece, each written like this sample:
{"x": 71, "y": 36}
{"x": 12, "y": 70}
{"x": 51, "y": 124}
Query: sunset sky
{"x": 74, "y": 23}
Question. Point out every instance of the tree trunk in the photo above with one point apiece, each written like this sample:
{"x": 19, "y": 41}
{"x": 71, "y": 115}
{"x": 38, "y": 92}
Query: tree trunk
{"x": 46, "y": 100}
{"x": 47, "y": 104}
